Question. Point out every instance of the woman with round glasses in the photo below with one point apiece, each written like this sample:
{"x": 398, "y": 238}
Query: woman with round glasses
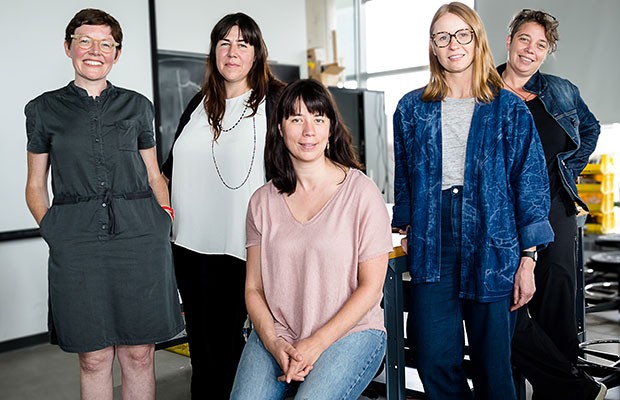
{"x": 85, "y": 42}
{"x": 112, "y": 290}
{"x": 471, "y": 194}
{"x": 545, "y": 344}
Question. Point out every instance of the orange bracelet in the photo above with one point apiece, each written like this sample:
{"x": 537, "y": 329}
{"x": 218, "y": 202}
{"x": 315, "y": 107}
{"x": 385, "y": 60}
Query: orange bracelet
{"x": 170, "y": 211}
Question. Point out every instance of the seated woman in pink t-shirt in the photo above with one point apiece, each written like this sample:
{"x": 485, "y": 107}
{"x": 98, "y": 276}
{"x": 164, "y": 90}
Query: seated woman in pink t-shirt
{"x": 318, "y": 238}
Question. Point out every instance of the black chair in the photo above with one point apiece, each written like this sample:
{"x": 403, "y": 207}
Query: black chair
{"x": 600, "y": 293}
{"x": 603, "y": 270}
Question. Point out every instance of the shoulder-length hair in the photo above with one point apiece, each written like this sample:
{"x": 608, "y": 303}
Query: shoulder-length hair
{"x": 259, "y": 77}
{"x": 318, "y": 100}
{"x": 486, "y": 82}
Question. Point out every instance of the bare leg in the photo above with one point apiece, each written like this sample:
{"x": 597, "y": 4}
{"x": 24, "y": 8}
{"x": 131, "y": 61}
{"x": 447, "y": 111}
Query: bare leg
{"x": 96, "y": 382}
{"x": 137, "y": 371}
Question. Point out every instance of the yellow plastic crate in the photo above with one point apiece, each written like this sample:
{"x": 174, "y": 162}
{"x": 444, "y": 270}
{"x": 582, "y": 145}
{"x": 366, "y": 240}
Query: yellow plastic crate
{"x": 603, "y": 183}
{"x": 599, "y": 165}
{"x": 594, "y": 229}
{"x": 599, "y": 202}
{"x": 600, "y": 223}
{"x": 182, "y": 349}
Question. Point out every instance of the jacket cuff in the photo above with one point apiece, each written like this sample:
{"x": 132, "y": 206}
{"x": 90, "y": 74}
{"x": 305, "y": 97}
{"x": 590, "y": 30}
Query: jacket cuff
{"x": 538, "y": 234}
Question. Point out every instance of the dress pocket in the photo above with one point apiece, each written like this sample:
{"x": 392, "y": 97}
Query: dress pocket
{"x": 159, "y": 210}
{"x": 45, "y": 221}
{"x": 127, "y": 132}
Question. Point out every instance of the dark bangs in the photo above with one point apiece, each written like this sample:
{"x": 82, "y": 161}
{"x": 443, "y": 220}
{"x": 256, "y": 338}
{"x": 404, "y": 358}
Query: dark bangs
{"x": 247, "y": 26}
{"x": 312, "y": 96}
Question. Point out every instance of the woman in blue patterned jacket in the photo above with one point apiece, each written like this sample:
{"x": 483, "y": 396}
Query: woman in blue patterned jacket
{"x": 545, "y": 345}
{"x": 472, "y": 196}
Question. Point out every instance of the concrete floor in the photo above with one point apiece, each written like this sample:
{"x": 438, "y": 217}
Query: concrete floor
{"x": 46, "y": 372}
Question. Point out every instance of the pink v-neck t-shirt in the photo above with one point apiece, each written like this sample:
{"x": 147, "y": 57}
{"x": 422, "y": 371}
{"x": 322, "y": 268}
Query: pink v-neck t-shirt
{"x": 310, "y": 269}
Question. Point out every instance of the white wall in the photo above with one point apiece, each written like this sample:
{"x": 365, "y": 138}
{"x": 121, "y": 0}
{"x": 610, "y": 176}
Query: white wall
{"x": 321, "y": 16}
{"x": 185, "y": 25}
{"x": 23, "y": 288}
{"x": 587, "y": 51}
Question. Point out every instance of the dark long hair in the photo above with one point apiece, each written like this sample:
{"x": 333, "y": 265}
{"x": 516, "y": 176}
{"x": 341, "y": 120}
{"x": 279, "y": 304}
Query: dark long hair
{"x": 260, "y": 76}
{"x": 318, "y": 100}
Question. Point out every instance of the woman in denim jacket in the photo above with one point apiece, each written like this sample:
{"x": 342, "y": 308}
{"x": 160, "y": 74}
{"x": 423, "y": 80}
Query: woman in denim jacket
{"x": 545, "y": 344}
{"x": 471, "y": 193}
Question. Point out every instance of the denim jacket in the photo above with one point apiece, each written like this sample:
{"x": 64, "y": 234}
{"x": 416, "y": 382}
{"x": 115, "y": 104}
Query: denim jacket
{"x": 505, "y": 192}
{"x": 564, "y": 103}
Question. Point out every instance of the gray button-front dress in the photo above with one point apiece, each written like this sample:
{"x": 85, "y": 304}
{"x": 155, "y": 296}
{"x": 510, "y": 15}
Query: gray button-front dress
{"x": 111, "y": 277}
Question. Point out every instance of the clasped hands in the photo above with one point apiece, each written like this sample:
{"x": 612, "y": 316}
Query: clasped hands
{"x": 296, "y": 361}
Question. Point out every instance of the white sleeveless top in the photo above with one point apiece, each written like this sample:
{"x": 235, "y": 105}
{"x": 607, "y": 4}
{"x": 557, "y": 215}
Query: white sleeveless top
{"x": 212, "y": 181}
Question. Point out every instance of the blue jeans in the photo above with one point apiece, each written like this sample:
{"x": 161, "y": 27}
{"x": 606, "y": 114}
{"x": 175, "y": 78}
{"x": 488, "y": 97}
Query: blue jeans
{"x": 435, "y": 326}
{"x": 342, "y": 372}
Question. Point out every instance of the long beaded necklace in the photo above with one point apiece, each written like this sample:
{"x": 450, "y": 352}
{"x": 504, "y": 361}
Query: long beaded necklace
{"x": 217, "y": 168}
{"x": 526, "y": 99}
{"x": 245, "y": 108}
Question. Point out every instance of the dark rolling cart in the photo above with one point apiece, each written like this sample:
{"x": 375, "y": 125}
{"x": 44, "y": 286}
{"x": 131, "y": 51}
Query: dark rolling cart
{"x": 580, "y": 279}
{"x": 395, "y": 387}
{"x": 393, "y": 306}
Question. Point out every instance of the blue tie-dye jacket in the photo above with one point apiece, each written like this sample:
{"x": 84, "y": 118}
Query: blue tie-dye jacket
{"x": 505, "y": 192}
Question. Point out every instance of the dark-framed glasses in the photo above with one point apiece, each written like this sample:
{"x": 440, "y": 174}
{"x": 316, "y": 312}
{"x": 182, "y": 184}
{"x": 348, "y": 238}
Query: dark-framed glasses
{"x": 462, "y": 36}
{"x": 86, "y": 42}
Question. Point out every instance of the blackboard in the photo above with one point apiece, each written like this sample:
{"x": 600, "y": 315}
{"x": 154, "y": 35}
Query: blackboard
{"x": 181, "y": 75}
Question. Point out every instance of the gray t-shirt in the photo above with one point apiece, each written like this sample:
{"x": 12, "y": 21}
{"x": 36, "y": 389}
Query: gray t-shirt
{"x": 456, "y": 117}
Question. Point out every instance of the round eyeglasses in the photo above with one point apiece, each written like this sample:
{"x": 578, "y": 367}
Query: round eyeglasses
{"x": 462, "y": 36}
{"x": 86, "y": 42}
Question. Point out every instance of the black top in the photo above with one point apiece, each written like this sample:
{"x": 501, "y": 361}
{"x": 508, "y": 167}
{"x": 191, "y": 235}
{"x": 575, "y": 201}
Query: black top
{"x": 554, "y": 141}
{"x": 93, "y": 142}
